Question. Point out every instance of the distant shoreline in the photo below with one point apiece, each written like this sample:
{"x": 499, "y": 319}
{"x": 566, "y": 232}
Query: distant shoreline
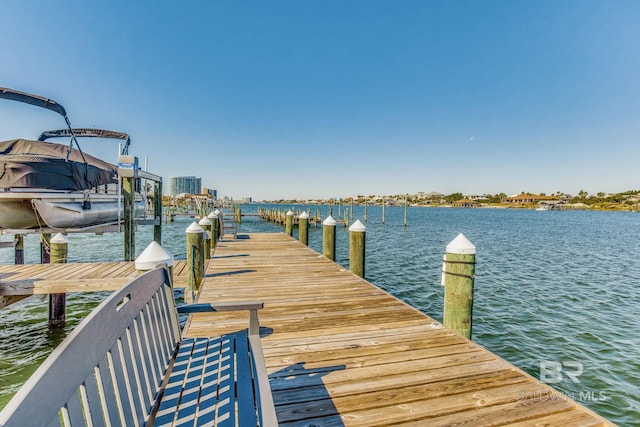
{"x": 533, "y": 206}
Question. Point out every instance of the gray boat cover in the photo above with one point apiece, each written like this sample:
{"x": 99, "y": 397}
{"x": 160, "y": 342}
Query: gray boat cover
{"x": 43, "y": 165}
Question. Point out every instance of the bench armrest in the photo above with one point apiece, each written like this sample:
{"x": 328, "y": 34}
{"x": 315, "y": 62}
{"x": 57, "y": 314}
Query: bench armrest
{"x": 252, "y": 306}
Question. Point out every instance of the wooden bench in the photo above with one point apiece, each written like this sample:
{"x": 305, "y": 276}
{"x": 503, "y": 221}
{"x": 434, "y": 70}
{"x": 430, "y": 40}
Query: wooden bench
{"x": 126, "y": 364}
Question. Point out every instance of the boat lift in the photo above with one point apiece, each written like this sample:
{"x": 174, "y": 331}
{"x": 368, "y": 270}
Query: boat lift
{"x": 129, "y": 178}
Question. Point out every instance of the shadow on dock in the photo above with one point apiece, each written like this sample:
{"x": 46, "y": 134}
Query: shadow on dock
{"x": 301, "y": 397}
{"x": 229, "y": 273}
{"x": 230, "y": 256}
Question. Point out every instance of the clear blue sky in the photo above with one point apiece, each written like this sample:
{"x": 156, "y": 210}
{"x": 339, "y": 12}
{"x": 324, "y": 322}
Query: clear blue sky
{"x": 301, "y": 99}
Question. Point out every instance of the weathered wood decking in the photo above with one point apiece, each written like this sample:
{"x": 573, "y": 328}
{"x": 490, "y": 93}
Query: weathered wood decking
{"x": 340, "y": 351}
{"x": 19, "y": 281}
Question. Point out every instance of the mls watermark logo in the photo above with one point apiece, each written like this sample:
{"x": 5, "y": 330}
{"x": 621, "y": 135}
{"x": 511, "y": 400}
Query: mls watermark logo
{"x": 552, "y": 372}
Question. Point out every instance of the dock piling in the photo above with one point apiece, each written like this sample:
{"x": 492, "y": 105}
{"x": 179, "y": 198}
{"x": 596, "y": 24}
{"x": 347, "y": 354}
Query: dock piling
{"x": 405, "y": 211}
{"x": 128, "y": 186}
{"x": 195, "y": 260}
{"x": 329, "y": 238}
{"x": 215, "y": 227}
{"x": 288, "y": 223}
{"x": 303, "y": 228}
{"x": 157, "y": 211}
{"x": 206, "y": 223}
{"x": 59, "y": 245}
{"x": 18, "y": 247}
{"x": 357, "y": 237}
{"x": 153, "y": 256}
{"x": 458, "y": 269}
{"x": 45, "y": 256}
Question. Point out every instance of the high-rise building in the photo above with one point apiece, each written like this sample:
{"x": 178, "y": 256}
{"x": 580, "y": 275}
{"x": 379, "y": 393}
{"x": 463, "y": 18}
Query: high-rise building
{"x": 185, "y": 184}
{"x": 211, "y": 192}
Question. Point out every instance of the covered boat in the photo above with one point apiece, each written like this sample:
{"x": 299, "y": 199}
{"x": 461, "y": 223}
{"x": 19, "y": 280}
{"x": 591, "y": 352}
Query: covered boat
{"x": 50, "y": 185}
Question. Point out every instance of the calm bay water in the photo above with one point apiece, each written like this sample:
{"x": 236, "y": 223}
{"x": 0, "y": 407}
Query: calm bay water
{"x": 554, "y": 289}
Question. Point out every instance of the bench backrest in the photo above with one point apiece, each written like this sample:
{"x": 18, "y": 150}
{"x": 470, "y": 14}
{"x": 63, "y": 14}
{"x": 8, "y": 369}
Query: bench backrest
{"x": 110, "y": 368}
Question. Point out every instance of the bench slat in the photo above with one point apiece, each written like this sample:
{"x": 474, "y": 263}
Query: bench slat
{"x": 140, "y": 368}
{"x": 161, "y": 336}
{"x": 246, "y": 397}
{"x": 153, "y": 368}
{"x": 108, "y": 398}
{"x": 129, "y": 379}
{"x": 121, "y": 384}
{"x": 72, "y": 413}
{"x": 227, "y": 390}
{"x": 91, "y": 400}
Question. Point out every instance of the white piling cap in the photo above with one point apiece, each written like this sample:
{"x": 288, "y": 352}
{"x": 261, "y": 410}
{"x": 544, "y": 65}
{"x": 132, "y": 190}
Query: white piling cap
{"x": 153, "y": 255}
{"x": 60, "y": 239}
{"x": 358, "y": 227}
{"x": 461, "y": 246}
{"x": 329, "y": 221}
{"x": 304, "y": 215}
{"x": 205, "y": 221}
{"x": 194, "y": 228}
{"x": 216, "y": 212}
{"x": 289, "y": 212}
{"x": 212, "y": 215}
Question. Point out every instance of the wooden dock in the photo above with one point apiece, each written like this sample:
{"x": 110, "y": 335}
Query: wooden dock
{"x": 20, "y": 281}
{"x": 342, "y": 352}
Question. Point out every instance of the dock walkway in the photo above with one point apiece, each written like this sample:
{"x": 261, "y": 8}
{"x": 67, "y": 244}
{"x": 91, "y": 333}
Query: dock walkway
{"x": 342, "y": 352}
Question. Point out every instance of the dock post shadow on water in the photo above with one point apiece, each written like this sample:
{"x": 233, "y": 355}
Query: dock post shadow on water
{"x": 458, "y": 276}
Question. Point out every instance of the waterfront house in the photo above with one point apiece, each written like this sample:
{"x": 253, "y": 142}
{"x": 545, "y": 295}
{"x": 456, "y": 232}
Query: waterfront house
{"x": 464, "y": 203}
{"x": 525, "y": 198}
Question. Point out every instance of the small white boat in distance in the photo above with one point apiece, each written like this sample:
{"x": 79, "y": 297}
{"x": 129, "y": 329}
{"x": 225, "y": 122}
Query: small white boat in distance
{"x": 49, "y": 185}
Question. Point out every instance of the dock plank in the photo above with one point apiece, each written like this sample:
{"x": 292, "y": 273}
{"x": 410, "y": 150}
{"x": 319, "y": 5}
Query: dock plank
{"x": 340, "y": 351}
